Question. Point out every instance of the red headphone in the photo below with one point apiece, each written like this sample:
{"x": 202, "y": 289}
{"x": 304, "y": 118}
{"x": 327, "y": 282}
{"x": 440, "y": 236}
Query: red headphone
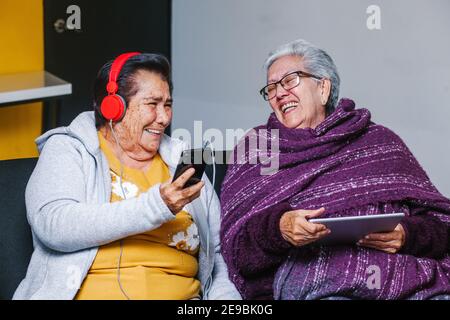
{"x": 113, "y": 106}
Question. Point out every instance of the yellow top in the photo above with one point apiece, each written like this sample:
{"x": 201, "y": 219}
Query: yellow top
{"x": 158, "y": 264}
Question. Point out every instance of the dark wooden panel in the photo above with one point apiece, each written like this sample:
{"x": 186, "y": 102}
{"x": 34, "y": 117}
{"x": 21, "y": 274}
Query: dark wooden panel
{"x": 108, "y": 28}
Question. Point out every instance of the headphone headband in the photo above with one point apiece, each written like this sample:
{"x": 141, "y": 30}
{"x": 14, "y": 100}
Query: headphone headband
{"x": 116, "y": 67}
{"x": 113, "y": 106}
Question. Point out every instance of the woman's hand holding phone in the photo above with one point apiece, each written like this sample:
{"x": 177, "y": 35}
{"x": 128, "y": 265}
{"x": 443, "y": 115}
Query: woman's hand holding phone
{"x": 175, "y": 196}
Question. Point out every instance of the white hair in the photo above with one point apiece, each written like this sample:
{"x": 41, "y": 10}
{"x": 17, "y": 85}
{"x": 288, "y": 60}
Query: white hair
{"x": 316, "y": 62}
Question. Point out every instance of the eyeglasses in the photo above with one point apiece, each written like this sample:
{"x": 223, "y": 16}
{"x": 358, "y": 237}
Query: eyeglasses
{"x": 288, "y": 82}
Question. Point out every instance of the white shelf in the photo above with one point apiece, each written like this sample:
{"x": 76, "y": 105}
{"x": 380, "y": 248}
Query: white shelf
{"x": 18, "y": 87}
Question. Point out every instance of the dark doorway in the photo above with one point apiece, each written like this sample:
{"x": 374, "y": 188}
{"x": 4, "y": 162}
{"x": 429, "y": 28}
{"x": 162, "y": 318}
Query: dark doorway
{"x": 108, "y": 28}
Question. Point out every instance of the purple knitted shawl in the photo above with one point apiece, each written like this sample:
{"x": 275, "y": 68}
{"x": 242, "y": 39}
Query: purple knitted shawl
{"x": 347, "y": 164}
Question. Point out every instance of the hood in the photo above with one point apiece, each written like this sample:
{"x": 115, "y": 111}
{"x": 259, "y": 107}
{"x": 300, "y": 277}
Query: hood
{"x": 82, "y": 128}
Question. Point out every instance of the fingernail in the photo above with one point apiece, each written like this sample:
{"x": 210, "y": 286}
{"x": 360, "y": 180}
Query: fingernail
{"x": 367, "y": 237}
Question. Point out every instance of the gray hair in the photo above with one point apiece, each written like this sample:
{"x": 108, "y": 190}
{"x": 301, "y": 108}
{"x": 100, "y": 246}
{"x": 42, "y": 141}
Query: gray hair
{"x": 316, "y": 61}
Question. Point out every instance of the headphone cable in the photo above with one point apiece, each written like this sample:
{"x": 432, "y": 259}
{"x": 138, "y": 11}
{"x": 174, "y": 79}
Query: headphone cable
{"x": 125, "y": 197}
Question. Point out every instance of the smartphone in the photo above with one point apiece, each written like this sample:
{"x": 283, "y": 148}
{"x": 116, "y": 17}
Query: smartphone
{"x": 193, "y": 158}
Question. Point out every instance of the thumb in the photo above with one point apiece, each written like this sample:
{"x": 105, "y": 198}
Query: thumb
{"x": 315, "y": 213}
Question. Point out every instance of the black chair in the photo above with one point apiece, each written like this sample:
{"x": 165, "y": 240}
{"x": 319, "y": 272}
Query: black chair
{"x": 16, "y": 245}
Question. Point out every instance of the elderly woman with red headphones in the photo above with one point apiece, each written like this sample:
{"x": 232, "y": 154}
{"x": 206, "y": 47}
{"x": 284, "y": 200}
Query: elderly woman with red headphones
{"x": 107, "y": 221}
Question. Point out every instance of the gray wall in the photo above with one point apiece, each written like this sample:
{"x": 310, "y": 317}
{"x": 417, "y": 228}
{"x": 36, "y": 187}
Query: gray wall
{"x": 401, "y": 73}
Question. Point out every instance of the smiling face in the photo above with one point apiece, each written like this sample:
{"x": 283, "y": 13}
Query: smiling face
{"x": 148, "y": 113}
{"x": 302, "y": 106}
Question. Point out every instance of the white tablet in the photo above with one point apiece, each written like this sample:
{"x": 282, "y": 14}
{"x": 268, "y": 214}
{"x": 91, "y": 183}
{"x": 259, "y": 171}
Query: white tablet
{"x": 348, "y": 230}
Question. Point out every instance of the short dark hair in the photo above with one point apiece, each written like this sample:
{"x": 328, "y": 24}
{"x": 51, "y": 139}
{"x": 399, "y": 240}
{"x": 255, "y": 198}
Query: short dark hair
{"x": 127, "y": 86}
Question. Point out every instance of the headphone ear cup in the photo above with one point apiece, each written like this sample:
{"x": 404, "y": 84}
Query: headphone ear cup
{"x": 113, "y": 107}
{"x": 123, "y": 109}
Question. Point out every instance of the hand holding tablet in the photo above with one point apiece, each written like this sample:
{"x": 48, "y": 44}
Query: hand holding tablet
{"x": 349, "y": 230}
{"x": 298, "y": 231}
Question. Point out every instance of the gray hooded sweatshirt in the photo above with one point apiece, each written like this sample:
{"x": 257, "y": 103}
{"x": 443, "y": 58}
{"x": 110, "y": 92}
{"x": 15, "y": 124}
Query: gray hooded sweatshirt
{"x": 70, "y": 213}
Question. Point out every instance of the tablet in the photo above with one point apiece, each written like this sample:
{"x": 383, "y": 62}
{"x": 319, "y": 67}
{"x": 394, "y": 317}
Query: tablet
{"x": 348, "y": 230}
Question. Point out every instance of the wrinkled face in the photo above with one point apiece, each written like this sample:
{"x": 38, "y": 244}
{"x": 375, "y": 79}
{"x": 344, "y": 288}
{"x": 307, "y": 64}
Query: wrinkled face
{"x": 300, "y": 107}
{"x": 148, "y": 113}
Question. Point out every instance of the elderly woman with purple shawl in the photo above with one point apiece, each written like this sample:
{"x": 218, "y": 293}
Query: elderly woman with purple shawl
{"x": 333, "y": 162}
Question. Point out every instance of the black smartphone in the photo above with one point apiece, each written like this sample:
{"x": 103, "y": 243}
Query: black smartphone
{"x": 193, "y": 158}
